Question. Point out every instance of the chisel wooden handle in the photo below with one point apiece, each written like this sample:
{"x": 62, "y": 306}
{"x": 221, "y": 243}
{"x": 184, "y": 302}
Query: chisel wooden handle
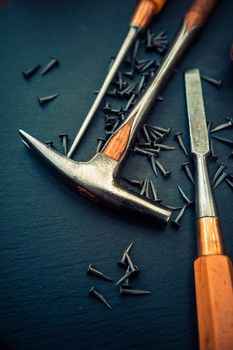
{"x": 214, "y": 299}
{"x": 145, "y": 10}
{"x": 214, "y": 288}
{"x": 199, "y": 12}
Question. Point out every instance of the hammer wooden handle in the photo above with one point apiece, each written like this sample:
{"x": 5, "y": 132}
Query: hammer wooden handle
{"x": 199, "y": 12}
{"x": 214, "y": 299}
{"x": 145, "y": 10}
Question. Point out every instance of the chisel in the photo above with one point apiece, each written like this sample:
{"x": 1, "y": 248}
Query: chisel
{"x": 144, "y": 12}
{"x": 212, "y": 269}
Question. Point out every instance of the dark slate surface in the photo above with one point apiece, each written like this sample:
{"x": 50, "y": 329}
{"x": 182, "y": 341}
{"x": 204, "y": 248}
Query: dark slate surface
{"x": 49, "y": 234}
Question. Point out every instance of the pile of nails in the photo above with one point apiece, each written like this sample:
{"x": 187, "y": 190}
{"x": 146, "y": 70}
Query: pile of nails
{"x": 27, "y": 74}
{"x": 131, "y": 81}
{"x": 124, "y": 282}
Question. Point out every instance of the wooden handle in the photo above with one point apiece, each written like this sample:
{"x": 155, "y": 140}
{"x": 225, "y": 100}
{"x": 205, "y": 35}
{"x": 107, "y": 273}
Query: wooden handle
{"x": 118, "y": 143}
{"x": 199, "y": 12}
{"x": 145, "y": 10}
{"x": 214, "y": 298}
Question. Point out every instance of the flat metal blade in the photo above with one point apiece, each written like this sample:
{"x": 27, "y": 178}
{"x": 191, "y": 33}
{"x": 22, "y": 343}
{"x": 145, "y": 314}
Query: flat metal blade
{"x": 196, "y": 113}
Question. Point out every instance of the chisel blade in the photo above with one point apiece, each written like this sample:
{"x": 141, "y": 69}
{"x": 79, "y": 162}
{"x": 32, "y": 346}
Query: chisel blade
{"x": 196, "y": 113}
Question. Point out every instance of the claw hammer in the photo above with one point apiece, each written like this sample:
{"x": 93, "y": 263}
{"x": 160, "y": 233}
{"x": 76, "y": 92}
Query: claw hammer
{"x": 97, "y": 178}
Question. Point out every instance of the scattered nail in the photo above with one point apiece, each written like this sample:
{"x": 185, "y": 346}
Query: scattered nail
{"x": 213, "y": 156}
{"x": 220, "y": 179}
{"x": 53, "y": 63}
{"x": 99, "y": 296}
{"x": 126, "y": 283}
{"x": 100, "y": 145}
{"x": 93, "y": 271}
{"x": 221, "y": 167}
{"x": 185, "y": 166}
{"x": 133, "y": 267}
{"x": 178, "y": 137}
{"x": 126, "y": 291}
{"x": 123, "y": 259}
{"x": 184, "y": 196}
{"x": 215, "y": 82}
{"x": 153, "y": 165}
{"x": 64, "y": 140}
{"x": 165, "y": 147}
{"x": 154, "y": 191}
{"x": 143, "y": 188}
{"x": 228, "y": 124}
{"x": 43, "y": 100}
{"x": 223, "y": 140}
{"x": 230, "y": 183}
{"x": 126, "y": 275}
{"x": 161, "y": 168}
{"x": 177, "y": 220}
{"x": 49, "y": 143}
{"x": 29, "y": 73}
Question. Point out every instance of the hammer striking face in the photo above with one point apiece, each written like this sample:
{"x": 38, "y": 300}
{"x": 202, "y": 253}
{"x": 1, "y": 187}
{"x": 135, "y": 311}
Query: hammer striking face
{"x": 97, "y": 179}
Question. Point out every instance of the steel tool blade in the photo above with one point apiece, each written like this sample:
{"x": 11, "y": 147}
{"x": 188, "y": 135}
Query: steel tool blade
{"x": 196, "y": 113}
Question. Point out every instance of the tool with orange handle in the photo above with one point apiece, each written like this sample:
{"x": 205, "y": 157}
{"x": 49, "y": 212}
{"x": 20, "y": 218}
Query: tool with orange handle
{"x": 97, "y": 179}
{"x": 213, "y": 269}
{"x": 143, "y": 14}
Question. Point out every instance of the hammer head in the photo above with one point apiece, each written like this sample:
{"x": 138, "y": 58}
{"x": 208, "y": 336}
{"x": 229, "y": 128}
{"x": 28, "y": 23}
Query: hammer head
{"x": 97, "y": 179}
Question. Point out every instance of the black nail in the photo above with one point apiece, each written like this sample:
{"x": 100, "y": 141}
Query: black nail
{"x": 123, "y": 259}
{"x": 133, "y": 267}
{"x": 107, "y": 108}
{"x": 126, "y": 291}
{"x": 153, "y": 165}
{"x": 130, "y": 102}
{"x": 126, "y": 282}
{"x": 44, "y": 100}
{"x": 161, "y": 168}
{"x": 142, "y": 152}
{"x": 130, "y": 73}
{"x": 221, "y": 167}
{"x": 99, "y": 296}
{"x": 223, "y": 140}
{"x": 155, "y": 151}
{"x": 141, "y": 84}
{"x": 135, "y": 50}
{"x": 29, "y": 73}
{"x": 230, "y": 183}
{"x": 177, "y": 220}
{"x": 184, "y": 196}
{"x": 100, "y": 145}
{"x": 64, "y": 140}
{"x": 163, "y": 130}
{"x": 220, "y": 179}
{"x": 185, "y": 166}
{"x": 154, "y": 192}
{"x": 165, "y": 147}
{"x": 49, "y": 143}
{"x": 209, "y": 124}
{"x": 213, "y": 156}
{"x": 143, "y": 187}
{"x": 124, "y": 277}
{"x": 93, "y": 271}
{"x": 215, "y": 82}
{"x": 228, "y": 124}
{"x": 148, "y": 65}
{"x": 53, "y": 63}
{"x": 145, "y": 133}
{"x": 178, "y": 137}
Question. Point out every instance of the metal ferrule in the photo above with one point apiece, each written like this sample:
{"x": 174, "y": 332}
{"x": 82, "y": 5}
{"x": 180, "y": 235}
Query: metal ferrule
{"x": 145, "y": 104}
{"x": 205, "y": 203}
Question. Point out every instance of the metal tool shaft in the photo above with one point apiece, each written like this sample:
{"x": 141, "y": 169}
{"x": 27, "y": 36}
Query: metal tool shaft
{"x": 124, "y": 49}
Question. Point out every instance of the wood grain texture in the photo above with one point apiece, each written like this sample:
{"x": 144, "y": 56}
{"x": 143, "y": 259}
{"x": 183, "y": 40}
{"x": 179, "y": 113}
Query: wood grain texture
{"x": 199, "y": 12}
{"x": 214, "y": 299}
{"x": 145, "y": 10}
{"x": 209, "y": 237}
{"x": 118, "y": 142}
